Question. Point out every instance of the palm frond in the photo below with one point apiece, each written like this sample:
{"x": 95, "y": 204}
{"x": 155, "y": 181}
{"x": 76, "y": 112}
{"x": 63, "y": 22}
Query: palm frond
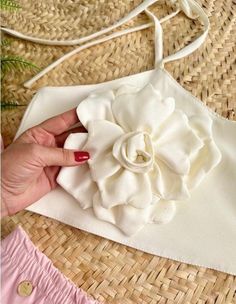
{"x": 9, "y": 5}
{"x": 6, "y": 105}
{"x": 5, "y": 42}
{"x": 9, "y": 62}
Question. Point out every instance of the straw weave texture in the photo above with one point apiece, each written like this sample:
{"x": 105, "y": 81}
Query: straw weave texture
{"x": 111, "y": 272}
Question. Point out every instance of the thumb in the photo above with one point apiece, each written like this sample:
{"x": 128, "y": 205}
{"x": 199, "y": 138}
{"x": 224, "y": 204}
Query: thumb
{"x": 62, "y": 157}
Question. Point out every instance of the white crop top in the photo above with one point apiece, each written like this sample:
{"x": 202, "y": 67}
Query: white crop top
{"x": 162, "y": 172}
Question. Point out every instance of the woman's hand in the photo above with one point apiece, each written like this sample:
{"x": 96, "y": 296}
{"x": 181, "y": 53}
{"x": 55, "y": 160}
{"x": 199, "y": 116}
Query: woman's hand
{"x": 31, "y": 164}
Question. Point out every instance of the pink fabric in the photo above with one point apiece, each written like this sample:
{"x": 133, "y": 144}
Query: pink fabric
{"x": 22, "y": 261}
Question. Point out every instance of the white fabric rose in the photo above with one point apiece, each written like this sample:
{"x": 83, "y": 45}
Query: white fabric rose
{"x": 145, "y": 155}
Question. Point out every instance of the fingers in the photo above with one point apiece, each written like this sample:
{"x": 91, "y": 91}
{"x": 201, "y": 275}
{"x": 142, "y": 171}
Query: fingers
{"x": 59, "y": 124}
{"x": 60, "y": 139}
{"x": 50, "y": 156}
{"x": 52, "y": 173}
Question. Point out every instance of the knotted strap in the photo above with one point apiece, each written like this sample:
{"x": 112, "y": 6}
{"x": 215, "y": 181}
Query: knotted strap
{"x": 192, "y": 9}
{"x": 189, "y": 7}
{"x": 136, "y": 11}
{"x": 184, "y": 5}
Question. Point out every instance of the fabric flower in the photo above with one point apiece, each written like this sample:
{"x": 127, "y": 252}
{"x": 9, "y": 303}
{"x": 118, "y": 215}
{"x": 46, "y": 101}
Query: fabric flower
{"x": 145, "y": 156}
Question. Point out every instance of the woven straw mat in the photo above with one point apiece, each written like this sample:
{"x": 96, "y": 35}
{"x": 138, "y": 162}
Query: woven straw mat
{"x": 110, "y": 272}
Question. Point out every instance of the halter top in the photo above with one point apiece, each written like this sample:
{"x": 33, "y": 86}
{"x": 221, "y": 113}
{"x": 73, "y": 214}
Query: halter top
{"x": 162, "y": 172}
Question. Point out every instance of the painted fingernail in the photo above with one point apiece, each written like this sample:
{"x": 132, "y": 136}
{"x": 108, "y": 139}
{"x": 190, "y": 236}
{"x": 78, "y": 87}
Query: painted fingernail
{"x": 81, "y": 156}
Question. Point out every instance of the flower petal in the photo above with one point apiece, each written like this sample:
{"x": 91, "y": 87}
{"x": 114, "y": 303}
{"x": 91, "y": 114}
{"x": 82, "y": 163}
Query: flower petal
{"x": 130, "y": 219}
{"x": 104, "y": 166}
{"x": 126, "y": 187}
{"x": 202, "y": 125}
{"x": 127, "y": 88}
{"x": 129, "y": 147}
{"x": 163, "y": 212}
{"x": 209, "y": 155}
{"x": 142, "y": 111}
{"x": 126, "y": 217}
{"x": 101, "y": 136}
{"x": 102, "y": 213}
{"x": 166, "y": 184}
{"x": 77, "y": 180}
{"x": 76, "y": 141}
{"x": 176, "y": 143}
{"x": 96, "y": 106}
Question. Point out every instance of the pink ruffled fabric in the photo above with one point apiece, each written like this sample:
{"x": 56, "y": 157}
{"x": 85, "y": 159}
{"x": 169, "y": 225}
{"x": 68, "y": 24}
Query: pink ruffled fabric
{"x": 22, "y": 261}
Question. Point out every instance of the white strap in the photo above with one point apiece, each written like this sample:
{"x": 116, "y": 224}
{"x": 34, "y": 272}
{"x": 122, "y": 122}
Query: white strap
{"x": 190, "y": 10}
{"x": 30, "y": 82}
{"x": 190, "y": 7}
{"x": 158, "y": 39}
{"x": 140, "y": 8}
{"x": 184, "y": 6}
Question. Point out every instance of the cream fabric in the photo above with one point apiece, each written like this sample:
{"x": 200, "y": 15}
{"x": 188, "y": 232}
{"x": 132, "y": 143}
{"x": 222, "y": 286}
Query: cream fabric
{"x": 146, "y": 153}
{"x": 203, "y": 230}
{"x": 192, "y": 190}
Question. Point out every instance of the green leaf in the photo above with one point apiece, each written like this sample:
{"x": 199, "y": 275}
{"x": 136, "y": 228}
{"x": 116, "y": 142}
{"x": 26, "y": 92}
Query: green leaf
{"x": 9, "y": 62}
{"x": 9, "y": 5}
{"x": 5, "y": 42}
{"x": 6, "y": 105}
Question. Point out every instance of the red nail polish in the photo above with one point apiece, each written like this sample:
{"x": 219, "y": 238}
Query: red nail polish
{"x": 81, "y": 156}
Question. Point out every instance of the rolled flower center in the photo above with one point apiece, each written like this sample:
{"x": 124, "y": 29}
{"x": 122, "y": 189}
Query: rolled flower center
{"x": 134, "y": 151}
